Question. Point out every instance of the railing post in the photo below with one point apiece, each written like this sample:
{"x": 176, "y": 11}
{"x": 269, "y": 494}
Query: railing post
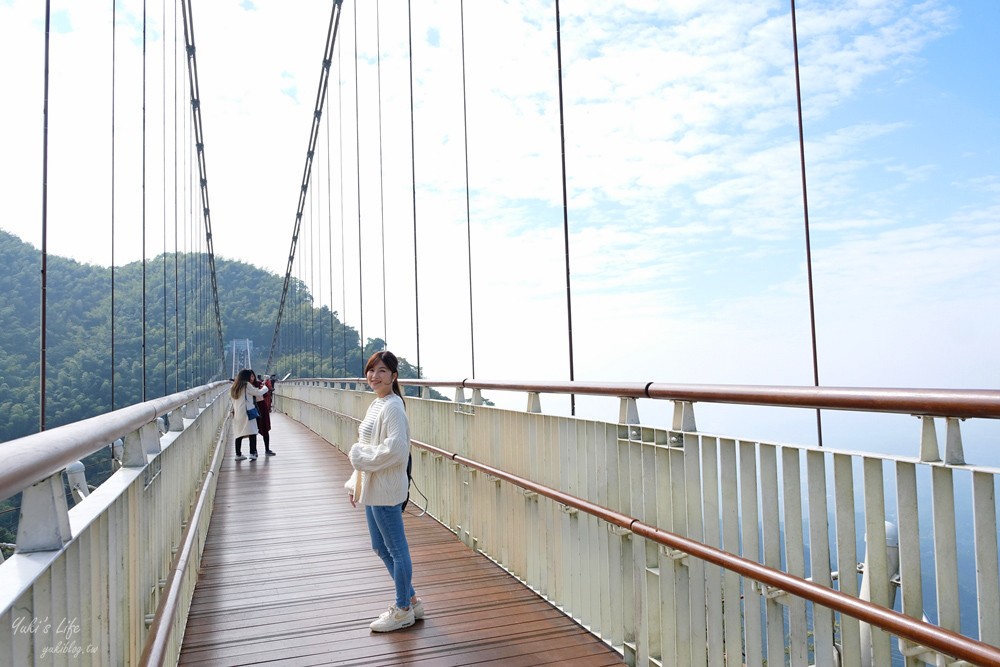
{"x": 44, "y": 524}
{"x": 459, "y": 395}
{"x": 953, "y": 451}
{"x": 534, "y": 403}
{"x": 928, "y": 440}
{"x": 190, "y": 410}
{"x": 175, "y": 420}
{"x": 628, "y": 411}
{"x": 150, "y": 435}
{"x": 477, "y": 396}
{"x": 76, "y": 475}
{"x": 684, "y": 417}
{"x": 139, "y": 445}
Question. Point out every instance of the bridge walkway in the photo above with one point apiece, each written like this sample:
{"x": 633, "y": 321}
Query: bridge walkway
{"x": 288, "y": 577}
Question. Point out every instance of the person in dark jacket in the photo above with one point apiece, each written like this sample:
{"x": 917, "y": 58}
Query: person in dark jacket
{"x": 264, "y": 408}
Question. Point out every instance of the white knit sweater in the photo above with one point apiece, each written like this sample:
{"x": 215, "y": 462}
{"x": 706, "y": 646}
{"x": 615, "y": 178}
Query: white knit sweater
{"x": 380, "y": 465}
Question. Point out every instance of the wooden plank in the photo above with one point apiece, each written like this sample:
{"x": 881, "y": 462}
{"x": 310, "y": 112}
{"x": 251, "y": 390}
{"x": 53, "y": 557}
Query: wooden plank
{"x": 288, "y": 576}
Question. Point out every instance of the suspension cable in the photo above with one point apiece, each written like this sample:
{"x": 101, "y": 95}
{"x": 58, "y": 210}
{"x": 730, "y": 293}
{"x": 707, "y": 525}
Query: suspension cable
{"x": 144, "y": 201}
{"x": 42, "y": 351}
{"x": 331, "y": 37}
{"x": 413, "y": 172}
{"x": 381, "y": 177}
{"x": 357, "y": 156}
{"x": 177, "y": 324}
{"x": 114, "y": 33}
{"x": 202, "y": 167}
{"x": 313, "y": 218}
{"x": 329, "y": 227}
{"x": 343, "y": 242}
{"x": 163, "y": 107}
{"x": 805, "y": 216}
{"x": 188, "y": 215}
{"x": 468, "y": 214}
{"x": 318, "y": 291}
{"x": 562, "y": 143}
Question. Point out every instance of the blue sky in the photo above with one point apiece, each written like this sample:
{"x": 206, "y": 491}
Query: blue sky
{"x": 687, "y": 246}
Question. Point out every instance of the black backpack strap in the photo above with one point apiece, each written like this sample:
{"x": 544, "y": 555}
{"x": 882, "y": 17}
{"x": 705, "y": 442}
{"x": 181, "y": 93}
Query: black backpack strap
{"x": 409, "y": 476}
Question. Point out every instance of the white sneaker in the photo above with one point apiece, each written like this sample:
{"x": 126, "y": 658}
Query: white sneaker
{"x": 253, "y": 457}
{"x": 418, "y": 609}
{"x": 241, "y": 458}
{"x": 394, "y": 619}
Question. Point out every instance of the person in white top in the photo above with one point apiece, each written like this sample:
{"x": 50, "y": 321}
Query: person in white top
{"x": 381, "y": 483}
{"x": 242, "y": 394}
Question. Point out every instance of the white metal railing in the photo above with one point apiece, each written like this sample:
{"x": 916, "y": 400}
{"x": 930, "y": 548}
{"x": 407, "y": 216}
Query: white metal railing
{"x": 820, "y": 514}
{"x": 85, "y": 582}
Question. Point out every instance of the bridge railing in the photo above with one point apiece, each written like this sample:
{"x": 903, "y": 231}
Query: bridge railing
{"x": 682, "y": 547}
{"x": 85, "y": 582}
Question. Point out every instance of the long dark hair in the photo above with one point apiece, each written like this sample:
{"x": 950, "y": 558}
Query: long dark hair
{"x": 240, "y": 383}
{"x": 391, "y": 362}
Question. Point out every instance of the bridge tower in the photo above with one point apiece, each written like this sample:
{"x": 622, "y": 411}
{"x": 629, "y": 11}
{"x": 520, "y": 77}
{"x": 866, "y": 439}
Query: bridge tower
{"x": 242, "y": 355}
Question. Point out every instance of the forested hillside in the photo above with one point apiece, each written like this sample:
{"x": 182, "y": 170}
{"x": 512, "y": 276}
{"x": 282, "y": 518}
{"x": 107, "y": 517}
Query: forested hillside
{"x": 180, "y": 337}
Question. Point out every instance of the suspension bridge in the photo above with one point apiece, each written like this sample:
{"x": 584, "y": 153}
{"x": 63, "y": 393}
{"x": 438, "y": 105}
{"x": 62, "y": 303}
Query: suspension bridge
{"x": 539, "y": 536}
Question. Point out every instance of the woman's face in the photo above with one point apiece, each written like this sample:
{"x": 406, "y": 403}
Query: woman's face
{"x": 253, "y": 379}
{"x": 380, "y": 379}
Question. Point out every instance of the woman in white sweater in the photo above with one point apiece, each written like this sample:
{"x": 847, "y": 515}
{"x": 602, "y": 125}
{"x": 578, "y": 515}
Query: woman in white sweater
{"x": 242, "y": 394}
{"x": 380, "y": 483}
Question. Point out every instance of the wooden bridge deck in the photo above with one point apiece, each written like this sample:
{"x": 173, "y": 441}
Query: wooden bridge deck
{"x": 288, "y": 576}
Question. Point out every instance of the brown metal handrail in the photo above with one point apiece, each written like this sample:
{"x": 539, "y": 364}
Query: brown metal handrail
{"x": 28, "y": 460}
{"x": 960, "y": 403}
{"x": 924, "y": 634}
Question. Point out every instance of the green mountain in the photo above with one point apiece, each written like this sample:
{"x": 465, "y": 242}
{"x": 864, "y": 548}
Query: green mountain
{"x": 180, "y": 342}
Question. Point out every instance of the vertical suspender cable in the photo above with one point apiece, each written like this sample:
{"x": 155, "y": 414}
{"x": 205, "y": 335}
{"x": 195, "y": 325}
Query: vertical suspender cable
{"x": 329, "y": 228}
{"x": 318, "y": 291}
{"x": 114, "y": 26}
{"x": 163, "y": 107}
{"x": 562, "y": 143}
{"x": 188, "y": 381}
{"x": 468, "y": 215}
{"x": 199, "y": 285}
{"x": 413, "y": 172}
{"x": 805, "y": 215}
{"x": 343, "y": 251}
{"x": 177, "y": 324}
{"x": 195, "y": 254}
{"x": 300, "y": 310}
{"x": 143, "y": 201}
{"x": 203, "y": 310}
{"x": 313, "y": 218}
{"x": 302, "y": 314}
{"x": 381, "y": 186}
{"x": 357, "y": 155}
{"x": 188, "y": 239}
{"x": 45, "y": 232}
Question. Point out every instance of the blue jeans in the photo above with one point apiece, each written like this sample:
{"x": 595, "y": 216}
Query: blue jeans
{"x": 385, "y": 524}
